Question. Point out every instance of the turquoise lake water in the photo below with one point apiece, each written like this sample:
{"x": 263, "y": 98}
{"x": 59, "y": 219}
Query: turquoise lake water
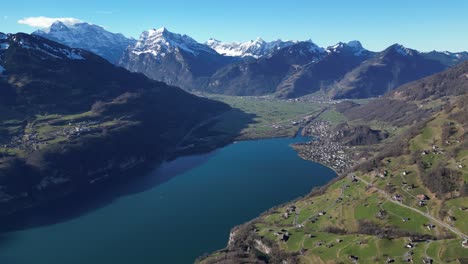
{"x": 180, "y": 211}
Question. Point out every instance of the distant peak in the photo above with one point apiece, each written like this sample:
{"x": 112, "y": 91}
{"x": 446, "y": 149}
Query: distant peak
{"x": 355, "y": 44}
{"x": 213, "y": 41}
{"x": 402, "y": 50}
{"x": 161, "y": 30}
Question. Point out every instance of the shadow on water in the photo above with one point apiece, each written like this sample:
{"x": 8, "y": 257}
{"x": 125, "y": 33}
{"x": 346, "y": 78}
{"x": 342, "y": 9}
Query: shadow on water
{"x": 96, "y": 197}
{"x": 101, "y": 195}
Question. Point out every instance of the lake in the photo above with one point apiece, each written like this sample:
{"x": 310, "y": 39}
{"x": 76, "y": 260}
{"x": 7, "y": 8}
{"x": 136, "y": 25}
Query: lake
{"x": 176, "y": 213}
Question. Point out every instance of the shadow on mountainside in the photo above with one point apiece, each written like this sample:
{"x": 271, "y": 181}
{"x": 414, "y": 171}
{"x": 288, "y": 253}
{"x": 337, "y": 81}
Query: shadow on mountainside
{"x": 212, "y": 135}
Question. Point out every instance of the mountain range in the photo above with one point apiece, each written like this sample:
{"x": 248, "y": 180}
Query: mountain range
{"x": 286, "y": 69}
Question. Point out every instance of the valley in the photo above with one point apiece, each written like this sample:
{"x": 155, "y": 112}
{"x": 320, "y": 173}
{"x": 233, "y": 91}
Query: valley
{"x": 161, "y": 148}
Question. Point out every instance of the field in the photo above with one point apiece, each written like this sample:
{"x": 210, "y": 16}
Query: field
{"x": 273, "y": 117}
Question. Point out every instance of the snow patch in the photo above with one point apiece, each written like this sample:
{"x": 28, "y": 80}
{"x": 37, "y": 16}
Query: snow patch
{"x": 4, "y": 46}
{"x": 56, "y": 52}
{"x": 2, "y": 69}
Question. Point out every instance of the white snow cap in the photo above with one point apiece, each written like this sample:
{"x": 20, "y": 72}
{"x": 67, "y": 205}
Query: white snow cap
{"x": 253, "y": 48}
{"x": 161, "y": 41}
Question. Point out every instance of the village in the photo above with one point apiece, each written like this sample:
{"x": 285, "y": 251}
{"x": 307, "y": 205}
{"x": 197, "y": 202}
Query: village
{"x": 324, "y": 148}
{"x": 33, "y": 137}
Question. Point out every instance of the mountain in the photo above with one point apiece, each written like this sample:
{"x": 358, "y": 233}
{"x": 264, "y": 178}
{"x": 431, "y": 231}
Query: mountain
{"x": 447, "y": 58}
{"x": 255, "y": 48}
{"x": 70, "y": 120}
{"x": 173, "y": 58}
{"x": 89, "y": 37}
{"x": 262, "y": 76}
{"x": 322, "y": 74}
{"x": 384, "y": 72}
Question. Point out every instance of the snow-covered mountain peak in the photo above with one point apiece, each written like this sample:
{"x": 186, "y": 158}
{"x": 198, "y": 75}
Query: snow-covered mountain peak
{"x": 253, "y": 48}
{"x": 88, "y": 36}
{"x": 159, "y": 42}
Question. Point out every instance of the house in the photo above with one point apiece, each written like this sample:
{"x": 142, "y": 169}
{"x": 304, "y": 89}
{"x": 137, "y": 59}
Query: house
{"x": 422, "y": 197}
{"x": 398, "y": 197}
{"x": 427, "y": 260}
{"x": 410, "y": 245}
{"x": 464, "y": 243}
{"x": 451, "y": 218}
{"x": 284, "y": 237}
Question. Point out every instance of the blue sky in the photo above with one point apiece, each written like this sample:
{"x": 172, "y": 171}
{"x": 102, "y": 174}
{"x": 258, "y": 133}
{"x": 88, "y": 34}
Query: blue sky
{"x": 421, "y": 24}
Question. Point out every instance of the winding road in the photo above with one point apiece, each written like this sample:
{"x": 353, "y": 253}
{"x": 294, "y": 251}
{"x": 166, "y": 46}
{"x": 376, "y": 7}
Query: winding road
{"x": 430, "y": 217}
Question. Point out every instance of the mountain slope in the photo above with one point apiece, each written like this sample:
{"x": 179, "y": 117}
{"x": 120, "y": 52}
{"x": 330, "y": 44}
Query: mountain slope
{"x": 89, "y": 37}
{"x": 387, "y": 70}
{"x": 340, "y": 59}
{"x": 262, "y": 76}
{"x": 70, "y": 119}
{"x": 172, "y": 58}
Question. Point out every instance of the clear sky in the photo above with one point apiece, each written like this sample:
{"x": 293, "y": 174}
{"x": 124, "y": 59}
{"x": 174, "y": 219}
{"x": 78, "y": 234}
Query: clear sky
{"x": 421, "y": 24}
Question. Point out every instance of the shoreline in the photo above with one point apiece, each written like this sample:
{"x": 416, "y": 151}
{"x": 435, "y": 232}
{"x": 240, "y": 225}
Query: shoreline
{"x": 92, "y": 191}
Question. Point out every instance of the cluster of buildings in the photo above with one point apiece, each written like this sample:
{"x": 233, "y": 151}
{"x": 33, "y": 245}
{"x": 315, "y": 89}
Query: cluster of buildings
{"x": 33, "y": 140}
{"x": 324, "y": 148}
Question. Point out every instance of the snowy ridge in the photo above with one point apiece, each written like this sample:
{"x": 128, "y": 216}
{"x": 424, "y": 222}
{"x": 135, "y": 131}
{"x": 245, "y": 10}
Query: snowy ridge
{"x": 49, "y": 51}
{"x": 253, "y": 48}
{"x": 404, "y": 50}
{"x": 355, "y": 46}
{"x": 160, "y": 42}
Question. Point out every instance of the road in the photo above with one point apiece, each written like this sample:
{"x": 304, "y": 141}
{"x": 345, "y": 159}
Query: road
{"x": 430, "y": 217}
